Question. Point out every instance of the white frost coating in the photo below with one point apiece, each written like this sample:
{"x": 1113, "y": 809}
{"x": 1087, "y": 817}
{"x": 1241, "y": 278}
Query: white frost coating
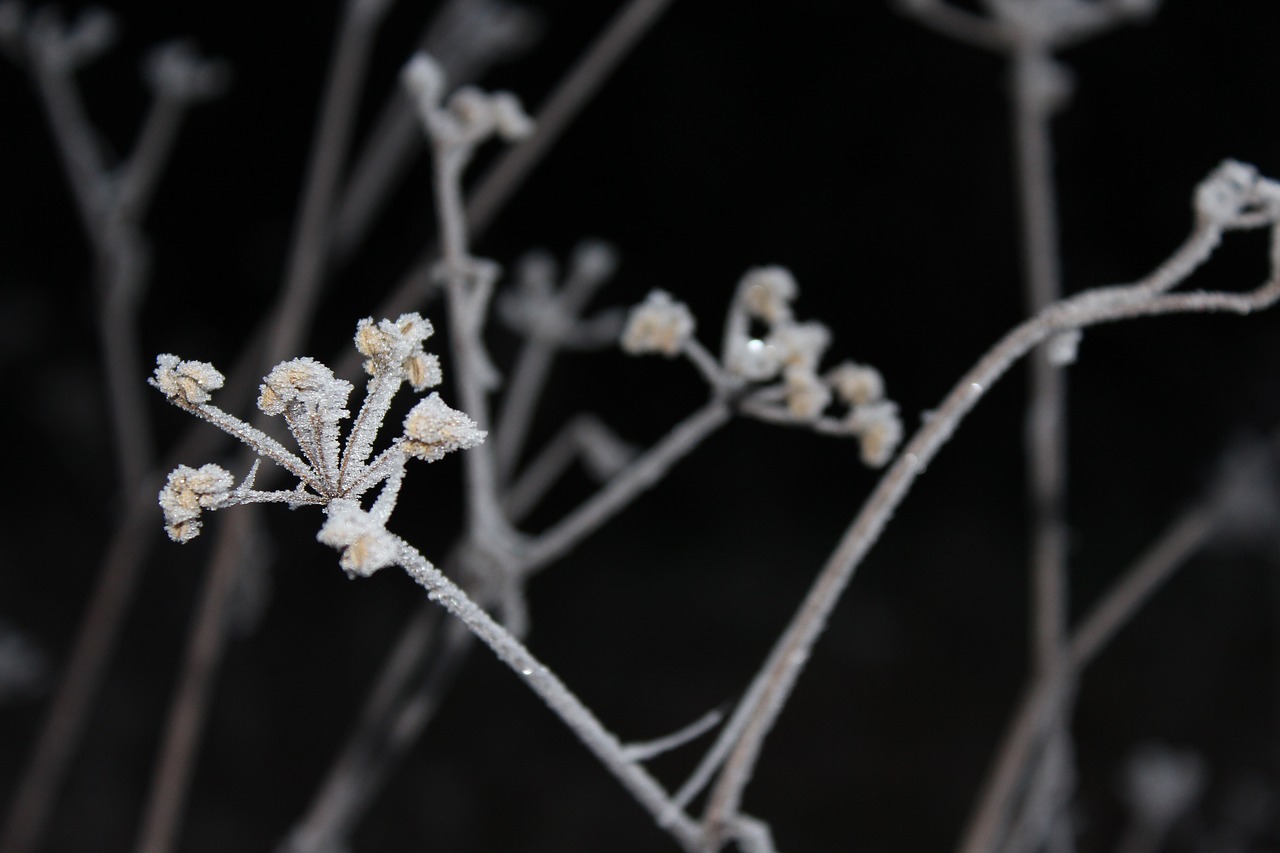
{"x": 807, "y": 394}
{"x": 433, "y": 429}
{"x": 366, "y": 545}
{"x": 303, "y": 381}
{"x": 187, "y": 381}
{"x": 856, "y": 384}
{"x": 187, "y": 493}
{"x": 800, "y": 344}
{"x": 767, "y": 293}
{"x": 390, "y": 346}
{"x": 879, "y": 431}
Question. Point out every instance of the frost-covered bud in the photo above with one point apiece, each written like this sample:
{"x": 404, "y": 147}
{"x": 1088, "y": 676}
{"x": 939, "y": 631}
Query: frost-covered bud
{"x": 1161, "y": 783}
{"x": 754, "y": 360}
{"x": 432, "y": 429}
{"x": 879, "y": 430}
{"x": 1224, "y": 194}
{"x": 185, "y": 381}
{"x": 659, "y": 324}
{"x": 856, "y": 384}
{"x": 807, "y": 395}
{"x": 366, "y": 545}
{"x": 424, "y": 79}
{"x": 800, "y": 344}
{"x": 509, "y": 118}
{"x": 188, "y": 492}
{"x": 398, "y": 345}
{"x": 303, "y": 380}
{"x": 472, "y": 112}
{"x": 176, "y": 69}
{"x": 767, "y": 293}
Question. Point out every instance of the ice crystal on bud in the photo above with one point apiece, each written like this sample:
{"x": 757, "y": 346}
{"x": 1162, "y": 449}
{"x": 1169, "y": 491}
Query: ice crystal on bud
{"x": 879, "y": 430}
{"x": 391, "y": 346}
{"x": 185, "y": 381}
{"x": 856, "y": 384}
{"x": 366, "y": 544}
{"x": 305, "y": 381}
{"x": 424, "y": 78}
{"x": 188, "y": 492}
{"x": 767, "y": 293}
{"x": 470, "y": 116}
{"x": 659, "y": 324}
{"x": 433, "y": 429}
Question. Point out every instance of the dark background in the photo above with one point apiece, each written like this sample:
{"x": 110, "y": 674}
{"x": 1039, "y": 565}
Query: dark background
{"x": 872, "y": 158}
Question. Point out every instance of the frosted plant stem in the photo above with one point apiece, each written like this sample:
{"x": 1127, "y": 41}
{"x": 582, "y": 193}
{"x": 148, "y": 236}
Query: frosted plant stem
{"x": 602, "y": 743}
{"x": 1046, "y": 439}
{"x": 63, "y": 724}
{"x": 643, "y": 472}
{"x": 528, "y": 378}
{"x": 574, "y": 91}
{"x": 1182, "y": 539}
{"x": 187, "y": 713}
{"x": 772, "y": 686}
{"x": 82, "y": 159}
{"x": 290, "y": 320}
{"x": 545, "y": 469}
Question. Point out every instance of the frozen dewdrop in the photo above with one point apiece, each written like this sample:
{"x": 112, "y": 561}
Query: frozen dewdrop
{"x": 186, "y": 493}
{"x": 509, "y": 118}
{"x": 754, "y": 359}
{"x": 366, "y": 545}
{"x": 185, "y": 381}
{"x": 424, "y": 79}
{"x": 1161, "y": 783}
{"x": 767, "y": 293}
{"x": 1221, "y": 196}
{"x": 658, "y": 325}
{"x": 306, "y": 381}
{"x": 433, "y": 429}
{"x": 856, "y": 384}
{"x": 800, "y": 344}
{"x": 879, "y": 430}
{"x": 806, "y": 394}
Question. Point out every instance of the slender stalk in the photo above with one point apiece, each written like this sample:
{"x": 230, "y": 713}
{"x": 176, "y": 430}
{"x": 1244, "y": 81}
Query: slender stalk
{"x": 1182, "y": 539}
{"x": 641, "y": 474}
{"x": 777, "y": 678}
{"x": 602, "y": 743}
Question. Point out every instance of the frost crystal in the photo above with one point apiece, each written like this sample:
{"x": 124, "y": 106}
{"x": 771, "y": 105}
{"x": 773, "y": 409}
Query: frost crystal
{"x": 433, "y": 429}
{"x": 188, "y": 492}
{"x": 659, "y": 324}
{"x": 390, "y": 346}
{"x": 185, "y": 381}
{"x": 366, "y": 545}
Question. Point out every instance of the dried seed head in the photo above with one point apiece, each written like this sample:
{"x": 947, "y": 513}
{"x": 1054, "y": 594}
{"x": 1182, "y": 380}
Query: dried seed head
{"x": 659, "y": 324}
{"x": 305, "y": 381}
{"x": 879, "y": 430}
{"x": 807, "y": 395}
{"x": 185, "y": 381}
{"x": 767, "y": 292}
{"x": 398, "y": 346}
{"x": 188, "y": 492}
{"x": 856, "y": 384}
{"x": 366, "y": 545}
{"x": 433, "y": 429}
